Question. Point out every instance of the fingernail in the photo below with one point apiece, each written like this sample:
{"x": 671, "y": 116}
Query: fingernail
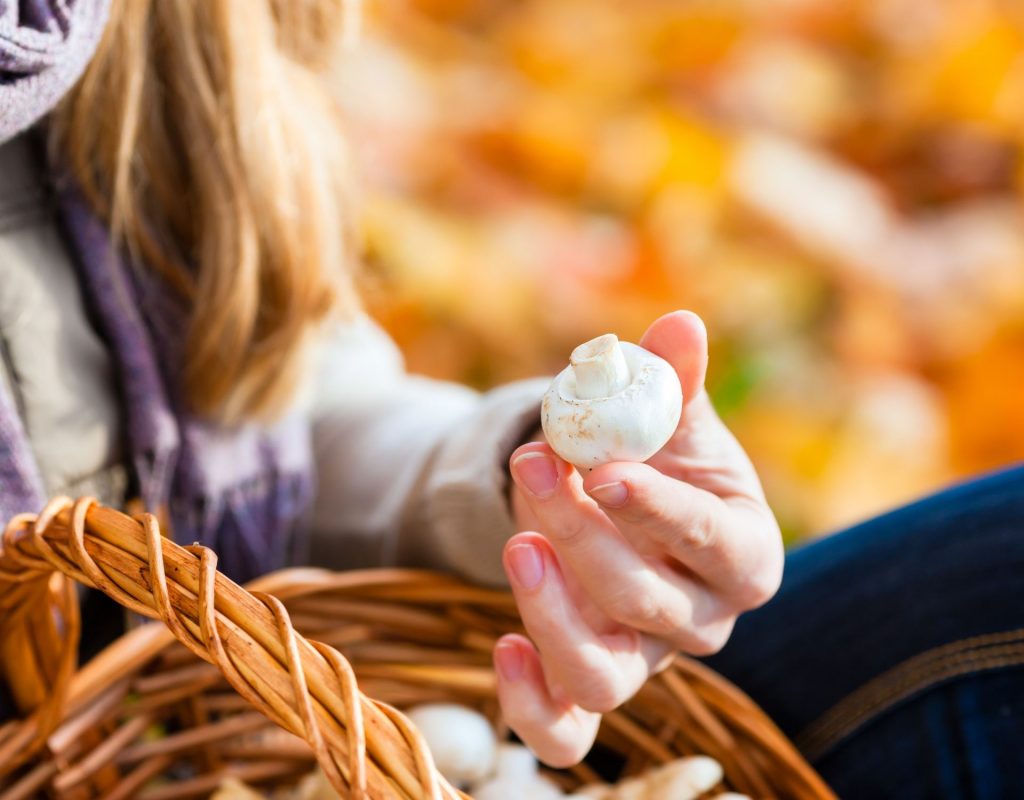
{"x": 613, "y": 495}
{"x": 527, "y": 565}
{"x": 537, "y": 472}
{"x": 509, "y": 661}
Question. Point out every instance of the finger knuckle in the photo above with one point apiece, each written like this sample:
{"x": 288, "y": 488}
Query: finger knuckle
{"x": 641, "y": 610}
{"x": 697, "y": 533}
{"x": 756, "y": 590}
{"x": 707, "y": 640}
{"x": 569, "y": 530}
{"x": 596, "y": 691}
{"x": 600, "y": 697}
{"x": 759, "y": 584}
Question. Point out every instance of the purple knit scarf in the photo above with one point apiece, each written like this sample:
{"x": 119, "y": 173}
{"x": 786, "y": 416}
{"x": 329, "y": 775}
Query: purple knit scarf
{"x": 44, "y": 46}
{"x": 243, "y": 491}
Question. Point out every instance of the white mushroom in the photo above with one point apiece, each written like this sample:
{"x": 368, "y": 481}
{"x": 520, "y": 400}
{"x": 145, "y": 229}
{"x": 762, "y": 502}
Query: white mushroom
{"x": 592, "y": 791}
{"x": 233, "y": 789}
{"x": 461, "y": 740}
{"x": 314, "y": 786}
{"x": 515, "y": 761}
{"x": 684, "y": 778}
{"x": 632, "y": 789}
{"x": 510, "y": 788}
{"x": 614, "y": 402}
{"x": 516, "y": 778}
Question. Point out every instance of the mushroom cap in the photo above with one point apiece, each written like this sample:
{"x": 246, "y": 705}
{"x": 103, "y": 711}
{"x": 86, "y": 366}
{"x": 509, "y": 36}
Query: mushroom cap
{"x": 460, "y": 739}
{"x": 685, "y": 778}
{"x": 515, "y": 761}
{"x": 592, "y": 791}
{"x": 536, "y": 788}
{"x": 631, "y": 425}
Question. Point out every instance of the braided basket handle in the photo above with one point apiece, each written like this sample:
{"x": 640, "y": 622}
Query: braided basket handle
{"x": 365, "y": 748}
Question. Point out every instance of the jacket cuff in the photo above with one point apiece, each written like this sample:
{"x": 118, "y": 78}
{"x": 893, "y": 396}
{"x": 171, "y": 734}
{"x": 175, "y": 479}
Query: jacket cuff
{"x": 466, "y": 500}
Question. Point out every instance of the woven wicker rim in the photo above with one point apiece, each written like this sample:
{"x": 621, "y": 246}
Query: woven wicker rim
{"x": 365, "y": 747}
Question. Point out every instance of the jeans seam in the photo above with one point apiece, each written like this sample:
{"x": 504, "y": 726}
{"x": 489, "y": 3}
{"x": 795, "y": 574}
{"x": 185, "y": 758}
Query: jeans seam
{"x": 909, "y": 678}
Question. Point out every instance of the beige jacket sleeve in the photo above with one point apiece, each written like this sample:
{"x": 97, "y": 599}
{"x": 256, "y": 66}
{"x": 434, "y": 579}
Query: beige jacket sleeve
{"x": 411, "y": 471}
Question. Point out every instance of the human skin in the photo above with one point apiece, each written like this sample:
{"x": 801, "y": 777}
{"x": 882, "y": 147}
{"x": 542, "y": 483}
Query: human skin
{"x": 617, "y": 569}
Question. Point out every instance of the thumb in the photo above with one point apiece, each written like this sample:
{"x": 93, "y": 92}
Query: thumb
{"x": 682, "y": 340}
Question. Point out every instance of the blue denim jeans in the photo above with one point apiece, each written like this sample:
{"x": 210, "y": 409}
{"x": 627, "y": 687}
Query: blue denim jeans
{"x": 894, "y": 652}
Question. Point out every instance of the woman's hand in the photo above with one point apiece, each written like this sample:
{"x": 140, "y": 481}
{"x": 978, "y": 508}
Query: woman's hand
{"x": 623, "y": 566}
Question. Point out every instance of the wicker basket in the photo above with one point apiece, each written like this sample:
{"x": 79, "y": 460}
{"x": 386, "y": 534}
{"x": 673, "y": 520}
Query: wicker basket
{"x": 169, "y": 710}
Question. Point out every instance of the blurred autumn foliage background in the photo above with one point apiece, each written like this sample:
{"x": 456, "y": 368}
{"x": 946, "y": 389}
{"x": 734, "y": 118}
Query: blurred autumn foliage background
{"x": 834, "y": 185}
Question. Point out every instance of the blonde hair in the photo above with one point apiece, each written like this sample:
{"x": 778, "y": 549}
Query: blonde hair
{"x": 204, "y": 133}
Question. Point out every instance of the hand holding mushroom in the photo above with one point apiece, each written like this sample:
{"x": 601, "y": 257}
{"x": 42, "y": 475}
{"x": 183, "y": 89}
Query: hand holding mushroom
{"x": 656, "y": 540}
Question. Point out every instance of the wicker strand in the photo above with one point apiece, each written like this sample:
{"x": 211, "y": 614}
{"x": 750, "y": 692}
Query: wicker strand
{"x": 31, "y": 592}
{"x": 292, "y": 681}
{"x": 311, "y": 730}
{"x": 354, "y": 708}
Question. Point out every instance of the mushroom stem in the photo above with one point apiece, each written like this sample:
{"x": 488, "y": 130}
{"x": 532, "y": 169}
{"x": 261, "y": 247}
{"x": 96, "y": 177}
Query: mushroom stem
{"x": 600, "y": 368}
